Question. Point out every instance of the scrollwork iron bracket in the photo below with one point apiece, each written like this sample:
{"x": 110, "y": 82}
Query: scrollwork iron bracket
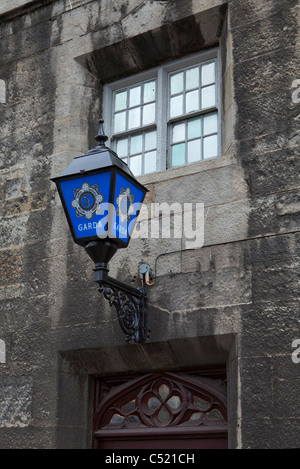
{"x": 130, "y": 304}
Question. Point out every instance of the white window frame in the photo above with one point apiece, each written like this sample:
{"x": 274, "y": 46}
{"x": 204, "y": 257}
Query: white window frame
{"x": 163, "y": 122}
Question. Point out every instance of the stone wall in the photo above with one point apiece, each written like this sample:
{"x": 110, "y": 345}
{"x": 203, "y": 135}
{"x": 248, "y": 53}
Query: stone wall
{"x": 234, "y": 301}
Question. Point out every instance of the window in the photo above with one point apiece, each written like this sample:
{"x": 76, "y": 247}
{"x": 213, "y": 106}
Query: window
{"x": 166, "y": 117}
{"x": 161, "y": 410}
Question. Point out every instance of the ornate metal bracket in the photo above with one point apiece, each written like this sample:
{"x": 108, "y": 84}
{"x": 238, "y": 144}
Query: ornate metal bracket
{"x": 130, "y": 304}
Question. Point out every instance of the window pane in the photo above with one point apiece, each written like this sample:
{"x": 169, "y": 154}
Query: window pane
{"x": 194, "y": 128}
{"x": 163, "y": 391}
{"x": 163, "y": 415}
{"x": 208, "y": 96}
{"x": 178, "y": 154}
{"x": 195, "y": 416}
{"x": 201, "y": 404}
{"x": 153, "y": 403}
{"x": 176, "y": 106}
{"x": 133, "y": 419}
{"x": 150, "y": 140}
{"x": 149, "y": 91}
{"x": 136, "y": 144}
{"x": 194, "y": 150}
{"x": 135, "y": 96}
{"x": 208, "y": 74}
{"x": 177, "y": 83}
{"x": 148, "y": 114}
{"x": 210, "y": 146}
{"x": 174, "y": 402}
{"x": 129, "y": 407}
{"x": 122, "y": 147}
{"x": 192, "y": 78}
{"x": 121, "y": 101}
{"x": 120, "y": 121}
{"x": 214, "y": 415}
{"x": 134, "y": 118}
{"x": 192, "y": 101}
{"x": 150, "y": 162}
{"x": 135, "y": 164}
{"x": 178, "y": 134}
{"x": 210, "y": 125}
{"x": 116, "y": 418}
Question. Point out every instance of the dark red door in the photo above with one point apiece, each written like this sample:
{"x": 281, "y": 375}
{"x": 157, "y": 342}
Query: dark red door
{"x": 163, "y": 442}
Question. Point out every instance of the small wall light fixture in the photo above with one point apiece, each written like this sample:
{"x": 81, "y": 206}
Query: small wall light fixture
{"x": 101, "y": 199}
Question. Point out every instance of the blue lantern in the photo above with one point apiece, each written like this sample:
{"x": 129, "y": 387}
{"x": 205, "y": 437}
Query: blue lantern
{"x": 101, "y": 199}
{"x": 100, "y": 196}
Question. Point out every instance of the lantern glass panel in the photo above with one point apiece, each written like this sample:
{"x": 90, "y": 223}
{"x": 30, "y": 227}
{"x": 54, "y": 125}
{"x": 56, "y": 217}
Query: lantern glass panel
{"x": 83, "y": 198}
{"x": 127, "y": 202}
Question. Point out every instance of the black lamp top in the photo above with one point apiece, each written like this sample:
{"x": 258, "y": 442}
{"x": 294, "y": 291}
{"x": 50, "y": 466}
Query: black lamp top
{"x": 90, "y": 161}
{"x": 101, "y": 137}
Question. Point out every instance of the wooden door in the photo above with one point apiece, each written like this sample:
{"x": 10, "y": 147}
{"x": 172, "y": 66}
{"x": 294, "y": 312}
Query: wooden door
{"x": 161, "y": 411}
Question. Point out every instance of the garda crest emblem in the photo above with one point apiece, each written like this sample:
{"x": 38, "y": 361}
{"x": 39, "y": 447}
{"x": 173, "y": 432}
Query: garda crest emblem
{"x": 86, "y": 200}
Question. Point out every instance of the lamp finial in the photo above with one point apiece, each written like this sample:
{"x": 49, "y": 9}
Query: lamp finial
{"x": 101, "y": 137}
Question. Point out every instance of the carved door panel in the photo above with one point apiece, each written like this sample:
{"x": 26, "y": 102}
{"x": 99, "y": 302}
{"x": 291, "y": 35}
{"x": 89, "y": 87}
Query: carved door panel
{"x": 161, "y": 410}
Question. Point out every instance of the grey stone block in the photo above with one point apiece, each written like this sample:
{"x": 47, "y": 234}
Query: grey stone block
{"x": 15, "y": 401}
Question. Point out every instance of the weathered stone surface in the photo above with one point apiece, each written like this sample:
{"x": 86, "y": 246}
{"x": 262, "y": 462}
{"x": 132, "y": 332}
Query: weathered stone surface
{"x": 210, "y": 288}
{"x": 273, "y": 171}
{"x": 272, "y": 248}
{"x": 15, "y": 401}
{"x": 33, "y": 438}
{"x": 267, "y": 34}
{"x": 260, "y": 433}
{"x": 264, "y": 75}
{"x": 234, "y": 301}
{"x": 168, "y": 264}
{"x": 123, "y": 49}
{"x": 7, "y": 5}
{"x": 259, "y": 392}
{"x": 278, "y": 324}
{"x": 276, "y": 279}
{"x": 252, "y": 11}
{"x": 10, "y": 266}
{"x": 216, "y": 187}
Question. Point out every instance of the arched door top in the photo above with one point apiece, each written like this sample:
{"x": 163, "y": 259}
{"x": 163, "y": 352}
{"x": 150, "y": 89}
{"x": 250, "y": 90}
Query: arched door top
{"x": 163, "y": 401}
